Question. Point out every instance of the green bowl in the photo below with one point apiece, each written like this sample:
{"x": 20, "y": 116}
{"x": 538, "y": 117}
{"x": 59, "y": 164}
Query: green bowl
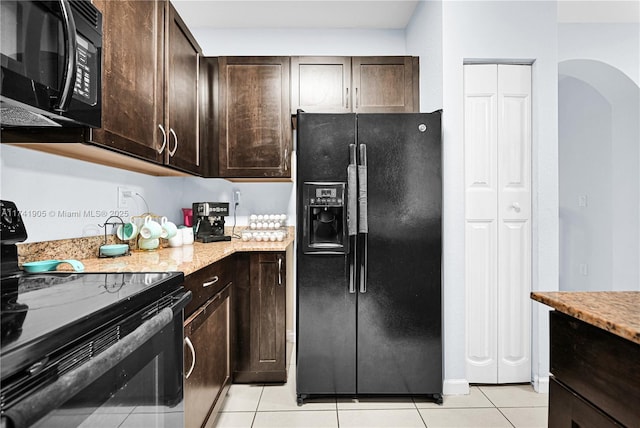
{"x": 114, "y": 249}
{"x": 41, "y": 266}
{"x": 50, "y": 265}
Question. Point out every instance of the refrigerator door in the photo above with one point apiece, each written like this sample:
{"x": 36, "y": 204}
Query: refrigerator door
{"x": 399, "y": 314}
{"x": 326, "y": 299}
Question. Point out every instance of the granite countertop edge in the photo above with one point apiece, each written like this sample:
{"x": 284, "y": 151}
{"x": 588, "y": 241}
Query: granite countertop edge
{"x": 617, "y": 312}
{"x": 187, "y": 258}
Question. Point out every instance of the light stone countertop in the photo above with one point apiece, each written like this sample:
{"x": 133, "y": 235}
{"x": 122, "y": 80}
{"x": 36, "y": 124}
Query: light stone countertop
{"x": 186, "y": 259}
{"x": 615, "y": 311}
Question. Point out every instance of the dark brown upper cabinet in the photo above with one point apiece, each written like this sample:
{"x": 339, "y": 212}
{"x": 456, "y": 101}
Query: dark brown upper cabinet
{"x": 355, "y": 84}
{"x": 181, "y": 109}
{"x": 133, "y": 77}
{"x": 321, "y": 84}
{"x": 255, "y": 123}
{"x": 149, "y": 84}
{"x": 384, "y": 85}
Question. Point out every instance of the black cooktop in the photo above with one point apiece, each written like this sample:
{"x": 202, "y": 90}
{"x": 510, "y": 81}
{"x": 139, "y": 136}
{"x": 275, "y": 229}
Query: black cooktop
{"x": 53, "y": 309}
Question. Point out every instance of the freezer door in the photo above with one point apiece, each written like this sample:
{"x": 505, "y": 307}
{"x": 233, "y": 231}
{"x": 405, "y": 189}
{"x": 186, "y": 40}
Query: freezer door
{"x": 326, "y": 298}
{"x": 326, "y": 328}
{"x": 399, "y": 312}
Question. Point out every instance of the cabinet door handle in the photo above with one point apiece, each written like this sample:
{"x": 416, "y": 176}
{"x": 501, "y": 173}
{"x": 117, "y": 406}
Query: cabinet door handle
{"x": 347, "y": 99}
{"x": 279, "y": 271}
{"x": 175, "y": 137}
{"x": 193, "y": 355}
{"x": 357, "y": 101}
{"x": 286, "y": 159}
{"x": 164, "y": 139}
{"x": 213, "y": 281}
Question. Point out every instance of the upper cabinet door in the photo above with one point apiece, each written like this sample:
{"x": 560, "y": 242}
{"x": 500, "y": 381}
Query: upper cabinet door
{"x": 183, "y": 146}
{"x": 321, "y": 84}
{"x": 255, "y": 123}
{"x": 383, "y": 85}
{"x": 132, "y": 81}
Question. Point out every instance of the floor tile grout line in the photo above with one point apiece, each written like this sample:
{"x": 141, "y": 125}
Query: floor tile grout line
{"x": 422, "y": 417}
{"x": 487, "y": 397}
{"x": 255, "y": 414}
{"x": 505, "y": 416}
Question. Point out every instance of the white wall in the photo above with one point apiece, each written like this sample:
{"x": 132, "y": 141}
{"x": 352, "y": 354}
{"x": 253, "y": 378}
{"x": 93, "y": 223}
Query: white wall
{"x": 286, "y": 42}
{"x": 615, "y": 44}
{"x": 601, "y": 62}
{"x": 488, "y": 31}
{"x": 45, "y": 187}
{"x": 604, "y": 236}
{"x": 424, "y": 39}
{"x": 585, "y": 160}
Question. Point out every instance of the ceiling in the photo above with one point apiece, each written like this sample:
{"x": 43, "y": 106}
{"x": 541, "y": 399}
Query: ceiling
{"x": 362, "y": 14}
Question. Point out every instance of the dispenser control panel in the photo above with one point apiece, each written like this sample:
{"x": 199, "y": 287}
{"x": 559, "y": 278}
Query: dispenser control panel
{"x": 328, "y": 196}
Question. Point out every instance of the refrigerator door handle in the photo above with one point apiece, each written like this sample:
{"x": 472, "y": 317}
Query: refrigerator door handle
{"x": 352, "y": 264}
{"x": 352, "y": 213}
{"x": 363, "y": 225}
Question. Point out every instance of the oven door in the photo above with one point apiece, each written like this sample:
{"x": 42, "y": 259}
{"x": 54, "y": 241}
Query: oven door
{"x": 137, "y": 381}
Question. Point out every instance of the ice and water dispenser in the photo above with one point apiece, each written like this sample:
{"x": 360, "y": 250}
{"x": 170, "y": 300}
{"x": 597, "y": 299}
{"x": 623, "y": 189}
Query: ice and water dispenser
{"x": 325, "y": 218}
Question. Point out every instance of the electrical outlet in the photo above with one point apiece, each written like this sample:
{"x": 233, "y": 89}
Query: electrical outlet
{"x": 582, "y": 201}
{"x": 584, "y": 269}
{"x": 236, "y": 196}
{"x": 125, "y": 195}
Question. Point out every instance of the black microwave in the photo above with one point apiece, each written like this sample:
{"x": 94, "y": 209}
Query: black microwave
{"x": 51, "y": 63}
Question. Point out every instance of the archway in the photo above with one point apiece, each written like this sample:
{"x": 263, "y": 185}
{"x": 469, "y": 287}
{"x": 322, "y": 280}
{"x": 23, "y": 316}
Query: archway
{"x": 599, "y": 174}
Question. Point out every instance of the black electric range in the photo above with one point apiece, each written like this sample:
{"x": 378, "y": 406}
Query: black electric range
{"x": 44, "y": 313}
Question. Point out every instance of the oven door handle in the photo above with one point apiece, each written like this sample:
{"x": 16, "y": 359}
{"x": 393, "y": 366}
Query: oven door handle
{"x": 189, "y": 344}
{"x": 32, "y": 408}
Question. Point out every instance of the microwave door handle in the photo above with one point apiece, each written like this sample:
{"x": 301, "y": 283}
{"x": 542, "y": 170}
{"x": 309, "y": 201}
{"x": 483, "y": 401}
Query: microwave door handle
{"x": 70, "y": 47}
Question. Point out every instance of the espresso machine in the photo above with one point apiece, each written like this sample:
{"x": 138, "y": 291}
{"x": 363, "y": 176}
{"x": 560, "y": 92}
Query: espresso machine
{"x": 208, "y": 221}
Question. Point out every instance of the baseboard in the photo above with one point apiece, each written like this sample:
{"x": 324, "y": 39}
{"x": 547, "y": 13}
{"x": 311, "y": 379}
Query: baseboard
{"x": 541, "y": 384}
{"x": 291, "y": 336}
{"x": 455, "y": 387}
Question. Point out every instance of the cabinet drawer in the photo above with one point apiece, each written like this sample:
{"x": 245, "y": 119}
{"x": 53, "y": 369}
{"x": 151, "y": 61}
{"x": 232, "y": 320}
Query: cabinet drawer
{"x": 208, "y": 281}
{"x": 599, "y": 366}
{"x": 566, "y": 409}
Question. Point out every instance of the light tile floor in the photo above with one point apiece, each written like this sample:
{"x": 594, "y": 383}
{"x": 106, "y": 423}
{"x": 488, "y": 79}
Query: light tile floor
{"x": 259, "y": 406}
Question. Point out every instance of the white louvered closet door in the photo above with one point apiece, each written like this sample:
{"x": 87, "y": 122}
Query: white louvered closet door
{"x": 497, "y": 147}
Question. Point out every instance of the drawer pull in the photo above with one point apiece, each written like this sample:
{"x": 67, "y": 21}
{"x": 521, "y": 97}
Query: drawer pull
{"x": 193, "y": 354}
{"x": 213, "y": 281}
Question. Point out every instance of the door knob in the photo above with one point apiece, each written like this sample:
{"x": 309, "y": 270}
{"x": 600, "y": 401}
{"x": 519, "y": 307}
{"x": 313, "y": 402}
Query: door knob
{"x": 516, "y": 207}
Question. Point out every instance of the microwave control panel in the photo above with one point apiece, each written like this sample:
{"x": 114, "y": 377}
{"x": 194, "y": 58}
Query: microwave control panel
{"x": 85, "y": 86}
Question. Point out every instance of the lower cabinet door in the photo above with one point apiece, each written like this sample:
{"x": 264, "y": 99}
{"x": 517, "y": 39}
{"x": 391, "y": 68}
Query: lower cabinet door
{"x": 207, "y": 359}
{"x": 260, "y": 318}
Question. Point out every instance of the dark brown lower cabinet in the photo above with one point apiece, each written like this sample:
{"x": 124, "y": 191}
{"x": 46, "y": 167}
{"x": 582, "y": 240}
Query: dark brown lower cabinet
{"x": 596, "y": 376}
{"x": 260, "y": 300}
{"x": 572, "y": 411}
{"x": 207, "y": 359}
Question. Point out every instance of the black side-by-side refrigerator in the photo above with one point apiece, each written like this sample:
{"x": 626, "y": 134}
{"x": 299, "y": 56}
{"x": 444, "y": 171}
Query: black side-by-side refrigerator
{"x": 369, "y": 252}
